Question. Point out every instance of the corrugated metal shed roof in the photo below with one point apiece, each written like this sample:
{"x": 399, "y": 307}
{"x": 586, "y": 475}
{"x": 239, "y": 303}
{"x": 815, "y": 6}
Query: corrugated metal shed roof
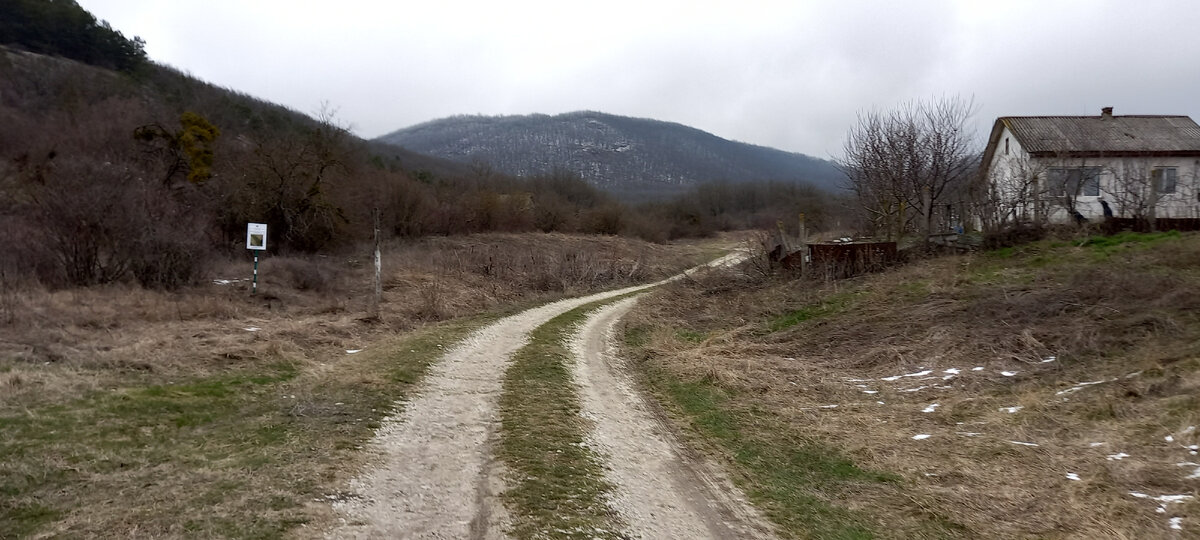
{"x": 1105, "y": 134}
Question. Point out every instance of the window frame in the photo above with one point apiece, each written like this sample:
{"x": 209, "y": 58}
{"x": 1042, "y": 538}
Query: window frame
{"x": 1159, "y": 177}
{"x": 1082, "y": 179}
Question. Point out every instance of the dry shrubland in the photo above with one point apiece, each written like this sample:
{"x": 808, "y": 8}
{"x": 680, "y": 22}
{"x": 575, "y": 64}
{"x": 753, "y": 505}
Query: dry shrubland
{"x": 1026, "y": 367}
{"x": 307, "y": 307}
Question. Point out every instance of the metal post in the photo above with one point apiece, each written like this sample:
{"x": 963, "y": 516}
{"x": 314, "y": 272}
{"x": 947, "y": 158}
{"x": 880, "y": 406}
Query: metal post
{"x": 254, "y": 286}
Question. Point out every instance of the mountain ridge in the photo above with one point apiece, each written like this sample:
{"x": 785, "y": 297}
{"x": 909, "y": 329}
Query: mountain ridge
{"x": 621, "y": 154}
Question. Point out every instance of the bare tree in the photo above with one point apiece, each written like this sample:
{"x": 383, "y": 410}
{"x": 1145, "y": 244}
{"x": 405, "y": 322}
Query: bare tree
{"x": 289, "y": 182}
{"x": 905, "y": 163}
{"x": 1011, "y": 195}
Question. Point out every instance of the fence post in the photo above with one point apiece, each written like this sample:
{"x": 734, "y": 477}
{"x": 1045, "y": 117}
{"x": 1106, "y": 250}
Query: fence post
{"x": 377, "y": 283}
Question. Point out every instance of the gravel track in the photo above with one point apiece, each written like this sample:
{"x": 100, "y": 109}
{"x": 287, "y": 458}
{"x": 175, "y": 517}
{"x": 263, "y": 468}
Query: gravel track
{"x": 659, "y": 492}
{"x": 435, "y": 476}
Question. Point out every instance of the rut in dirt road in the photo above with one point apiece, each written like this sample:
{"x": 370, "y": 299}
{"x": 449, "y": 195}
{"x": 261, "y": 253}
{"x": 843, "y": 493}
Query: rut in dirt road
{"x": 658, "y": 492}
{"x": 435, "y": 477}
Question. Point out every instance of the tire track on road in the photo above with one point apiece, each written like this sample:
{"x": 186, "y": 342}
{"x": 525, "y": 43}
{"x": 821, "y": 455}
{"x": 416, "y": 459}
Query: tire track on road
{"x": 659, "y": 492}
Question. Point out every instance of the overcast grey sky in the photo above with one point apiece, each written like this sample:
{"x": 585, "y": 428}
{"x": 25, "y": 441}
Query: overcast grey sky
{"x": 791, "y": 75}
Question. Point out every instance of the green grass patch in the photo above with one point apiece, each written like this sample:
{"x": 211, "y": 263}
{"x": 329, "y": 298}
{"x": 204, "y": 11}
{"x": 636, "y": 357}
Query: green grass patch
{"x": 558, "y": 488}
{"x": 790, "y": 477}
{"x": 829, "y": 305}
{"x": 237, "y": 454}
{"x": 1106, "y": 245}
{"x": 1001, "y": 253}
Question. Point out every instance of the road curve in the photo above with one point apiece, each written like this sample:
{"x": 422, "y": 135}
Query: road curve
{"x": 435, "y": 476}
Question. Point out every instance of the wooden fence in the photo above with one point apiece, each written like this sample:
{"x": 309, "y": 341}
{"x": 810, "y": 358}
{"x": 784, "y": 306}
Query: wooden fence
{"x": 842, "y": 260}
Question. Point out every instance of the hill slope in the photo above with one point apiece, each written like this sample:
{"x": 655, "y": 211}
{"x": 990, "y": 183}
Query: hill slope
{"x": 619, "y": 154}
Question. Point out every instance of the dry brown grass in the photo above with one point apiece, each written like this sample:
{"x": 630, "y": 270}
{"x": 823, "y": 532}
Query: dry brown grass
{"x": 1125, "y": 314}
{"x": 136, "y": 374}
{"x": 306, "y": 308}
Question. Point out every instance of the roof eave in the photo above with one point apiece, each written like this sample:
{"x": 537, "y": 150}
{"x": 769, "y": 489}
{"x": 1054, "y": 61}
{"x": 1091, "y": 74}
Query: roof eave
{"x": 993, "y": 141}
{"x": 1110, "y": 154}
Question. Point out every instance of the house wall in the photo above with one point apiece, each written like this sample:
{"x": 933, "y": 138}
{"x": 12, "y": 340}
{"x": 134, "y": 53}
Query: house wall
{"x": 1013, "y": 178}
{"x": 1021, "y": 184}
{"x": 1125, "y": 184}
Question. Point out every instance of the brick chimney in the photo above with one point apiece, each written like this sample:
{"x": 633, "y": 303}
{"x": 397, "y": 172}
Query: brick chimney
{"x": 1106, "y": 113}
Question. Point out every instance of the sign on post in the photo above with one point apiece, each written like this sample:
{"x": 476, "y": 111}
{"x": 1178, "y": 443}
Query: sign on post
{"x": 256, "y": 241}
{"x": 256, "y": 236}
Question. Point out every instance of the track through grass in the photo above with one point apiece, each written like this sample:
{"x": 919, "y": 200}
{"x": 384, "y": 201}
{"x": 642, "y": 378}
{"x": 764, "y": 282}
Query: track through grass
{"x": 556, "y": 486}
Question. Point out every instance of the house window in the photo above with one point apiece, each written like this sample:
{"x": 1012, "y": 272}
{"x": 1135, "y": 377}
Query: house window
{"x": 1076, "y": 181}
{"x": 1006, "y": 146}
{"x": 1164, "y": 179}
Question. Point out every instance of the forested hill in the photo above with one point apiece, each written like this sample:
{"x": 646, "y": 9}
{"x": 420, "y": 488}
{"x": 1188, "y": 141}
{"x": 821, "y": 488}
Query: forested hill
{"x": 626, "y": 156}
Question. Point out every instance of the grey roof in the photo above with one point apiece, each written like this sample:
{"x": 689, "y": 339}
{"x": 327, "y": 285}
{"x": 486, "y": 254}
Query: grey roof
{"x": 1105, "y": 135}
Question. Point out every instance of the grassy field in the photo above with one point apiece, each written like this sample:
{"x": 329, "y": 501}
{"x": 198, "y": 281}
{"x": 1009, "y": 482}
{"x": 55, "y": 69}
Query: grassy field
{"x": 211, "y": 413}
{"x": 1047, "y": 390}
{"x": 242, "y": 453}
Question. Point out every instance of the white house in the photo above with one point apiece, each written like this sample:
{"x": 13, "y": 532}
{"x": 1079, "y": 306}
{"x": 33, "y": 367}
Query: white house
{"x": 1046, "y": 167}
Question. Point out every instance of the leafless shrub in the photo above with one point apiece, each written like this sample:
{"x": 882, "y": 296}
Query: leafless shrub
{"x": 432, "y": 305}
{"x": 1013, "y": 236}
{"x": 8, "y": 295}
{"x": 309, "y": 273}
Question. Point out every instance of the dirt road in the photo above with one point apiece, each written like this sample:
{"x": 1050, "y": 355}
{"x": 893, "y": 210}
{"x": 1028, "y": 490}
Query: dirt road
{"x": 435, "y": 477}
{"x": 659, "y": 492}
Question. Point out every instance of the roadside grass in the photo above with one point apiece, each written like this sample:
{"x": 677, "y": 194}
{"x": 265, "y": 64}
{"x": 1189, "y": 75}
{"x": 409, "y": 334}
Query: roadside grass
{"x": 1027, "y": 393}
{"x": 556, "y": 486}
{"x": 791, "y": 473}
{"x": 243, "y": 453}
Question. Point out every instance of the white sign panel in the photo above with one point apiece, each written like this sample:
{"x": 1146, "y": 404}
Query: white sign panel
{"x": 256, "y": 236}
